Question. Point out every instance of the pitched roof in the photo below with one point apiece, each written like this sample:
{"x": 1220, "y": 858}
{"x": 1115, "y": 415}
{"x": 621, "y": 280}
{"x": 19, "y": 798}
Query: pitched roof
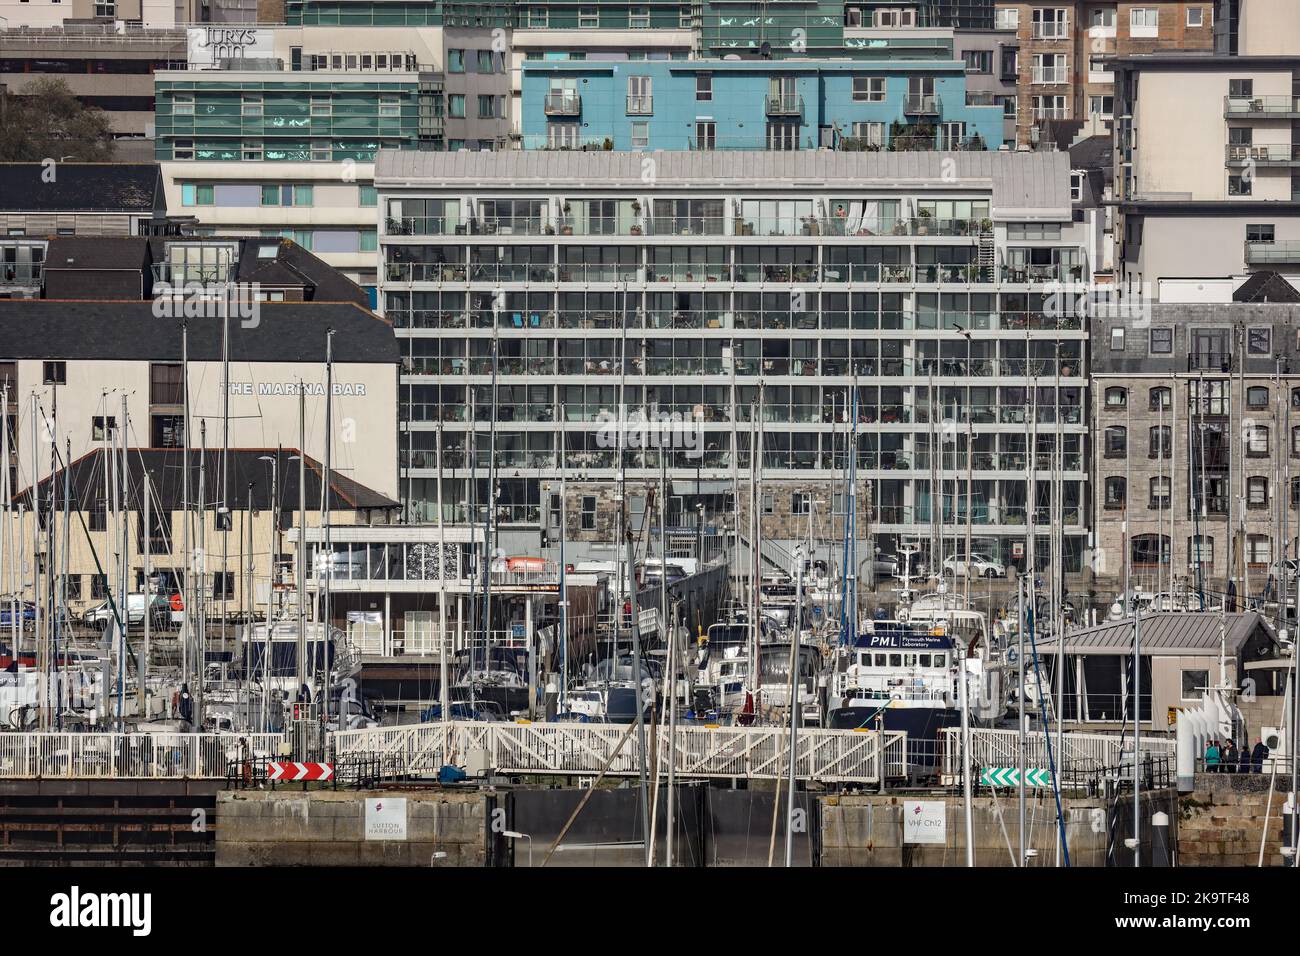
{"x": 1023, "y": 184}
{"x": 248, "y": 473}
{"x": 1172, "y": 633}
{"x": 81, "y": 187}
{"x": 130, "y": 331}
{"x": 94, "y": 252}
{"x": 1266, "y": 286}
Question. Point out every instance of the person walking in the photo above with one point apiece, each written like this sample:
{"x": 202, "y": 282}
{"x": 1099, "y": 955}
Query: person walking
{"x": 1212, "y": 757}
{"x": 1258, "y": 756}
{"x": 1228, "y": 758}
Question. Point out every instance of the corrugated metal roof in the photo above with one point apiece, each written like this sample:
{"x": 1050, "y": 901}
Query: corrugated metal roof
{"x": 1033, "y": 183}
{"x": 1187, "y": 633}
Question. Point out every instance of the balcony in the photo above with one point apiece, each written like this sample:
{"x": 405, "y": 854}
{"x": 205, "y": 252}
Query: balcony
{"x": 786, "y": 104}
{"x": 1275, "y": 107}
{"x": 1051, "y": 31}
{"x": 921, "y": 105}
{"x": 640, "y": 105}
{"x": 1262, "y": 155}
{"x": 1051, "y": 74}
{"x": 562, "y": 104}
{"x": 20, "y": 273}
{"x": 1273, "y": 253}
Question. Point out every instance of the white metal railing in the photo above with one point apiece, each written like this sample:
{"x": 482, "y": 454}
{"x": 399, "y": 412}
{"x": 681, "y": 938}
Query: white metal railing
{"x": 584, "y": 749}
{"x": 1081, "y": 752}
{"x": 127, "y": 756}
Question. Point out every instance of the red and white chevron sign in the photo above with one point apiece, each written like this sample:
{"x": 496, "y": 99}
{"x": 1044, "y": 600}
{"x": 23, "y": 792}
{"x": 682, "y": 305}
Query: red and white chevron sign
{"x": 293, "y": 772}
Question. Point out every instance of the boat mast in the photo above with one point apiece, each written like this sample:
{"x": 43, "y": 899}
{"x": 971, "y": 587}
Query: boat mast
{"x": 36, "y": 550}
{"x": 328, "y": 570}
{"x": 300, "y": 669}
{"x": 564, "y": 580}
{"x": 187, "y": 609}
{"x": 124, "y": 492}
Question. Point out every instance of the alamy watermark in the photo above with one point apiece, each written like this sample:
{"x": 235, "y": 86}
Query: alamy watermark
{"x": 209, "y": 300}
{"x": 662, "y": 431}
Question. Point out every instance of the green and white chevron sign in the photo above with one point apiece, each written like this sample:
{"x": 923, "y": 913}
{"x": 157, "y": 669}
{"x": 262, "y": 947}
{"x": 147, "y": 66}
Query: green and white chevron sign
{"x": 1010, "y": 777}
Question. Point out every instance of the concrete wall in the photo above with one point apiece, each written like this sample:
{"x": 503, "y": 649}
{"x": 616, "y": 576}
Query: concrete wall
{"x": 867, "y": 830}
{"x": 1268, "y": 27}
{"x": 1221, "y": 821}
{"x": 327, "y": 828}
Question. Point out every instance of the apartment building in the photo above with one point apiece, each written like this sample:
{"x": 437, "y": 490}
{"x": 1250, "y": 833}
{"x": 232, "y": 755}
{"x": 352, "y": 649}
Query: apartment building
{"x": 109, "y": 324}
{"x": 1197, "y": 435}
{"x": 148, "y": 14}
{"x": 867, "y": 300}
{"x": 1207, "y": 146}
{"x": 1062, "y": 51}
{"x": 755, "y": 104}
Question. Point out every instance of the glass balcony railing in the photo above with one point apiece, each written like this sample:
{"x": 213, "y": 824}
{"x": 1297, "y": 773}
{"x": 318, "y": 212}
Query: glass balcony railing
{"x": 640, "y": 105}
{"x": 1241, "y": 153}
{"x": 785, "y": 104}
{"x": 927, "y": 104}
{"x": 1273, "y": 105}
{"x": 562, "y": 104}
{"x": 1265, "y": 253}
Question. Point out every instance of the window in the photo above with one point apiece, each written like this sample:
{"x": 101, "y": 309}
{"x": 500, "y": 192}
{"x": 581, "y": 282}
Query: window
{"x": 1260, "y": 232}
{"x": 1162, "y": 340}
{"x": 638, "y": 18}
{"x": 1103, "y": 106}
{"x": 1241, "y": 89}
{"x": 769, "y": 503}
{"x": 252, "y": 152}
{"x": 1295, "y": 492}
{"x": 455, "y": 61}
{"x": 979, "y": 61}
{"x": 390, "y": 104}
{"x": 1195, "y": 682}
{"x": 703, "y": 87}
{"x": 1256, "y": 441}
{"x": 685, "y": 20}
{"x": 1150, "y": 549}
{"x": 869, "y": 134}
{"x": 639, "y": 95}
{"x": 706, "y": 134}
{"x": 869, "y": 89}
{"x": 1116, "y": 441}
{"x": 1196, "y": 16}
{"x": 321, "y": 151}
{"x": 801, "y": 503}
{"x": 251, "y": 105}
{"x": 98, "y": 582}
{"x": 456, "y": 105}
{"x": 71, "y": 584}
{"x": 1103, "y": 17}
{"x": 1259, "y": 341}
{"x": 183, "y": 149}
{"x": 1006, "y": 19}
{"x": 1077, "y": 180}
{"x": 367, "y": 196}
{"x": 485, "y": 61}
{"x": 1259, "y": 549}
{"x": 166, "y": 384}
{"x": 1160, "y": 397}
{"x": 321, "y": 105}
{"x": 1200, "y": 551}
{"x": 55, "y": 373}
{"x": 197, "y": 194}
{"x": 1143, "y": 22}
{"x": 783, "y": 136}
{"x": 1116, "y": 397}
{"x": 1257, "y": 492}
{"x": 1238, "y": 186}
{"x": 1159, "y": 497}
{"x": 160, "y": 532}
{"x": 1257, "y": 396}
{"x": 1117, "y": 339}
{"x": 182, "y": 104}
{"x": 1115, "y": 493}
{"x": 588, "y": 18}
{"x": 640, "y": 135}
{"x": 100, "y": 430}
{"x": 1159, "y": 441}
{"x": 486, "y": 106}
{"x": 1052, "y": 23}
{"x": 588, "y": 512}
{"x": 537, "y": 17}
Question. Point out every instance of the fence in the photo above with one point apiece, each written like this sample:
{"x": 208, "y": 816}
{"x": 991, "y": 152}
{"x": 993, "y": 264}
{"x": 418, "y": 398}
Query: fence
{"x": 584, "y": 750}
{"x": 1079, "y": 753}
{"x": 127, "y": 756}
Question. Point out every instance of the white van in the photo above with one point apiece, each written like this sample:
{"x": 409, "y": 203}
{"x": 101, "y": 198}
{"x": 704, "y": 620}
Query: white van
{"x": 101, "y": 615}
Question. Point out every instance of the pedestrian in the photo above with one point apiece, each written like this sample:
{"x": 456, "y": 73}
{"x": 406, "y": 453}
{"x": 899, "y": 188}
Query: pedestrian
{"x": 1228, "y": 758}
{"x": 1258, "y": 756}
{"x": 1212, "y": 757}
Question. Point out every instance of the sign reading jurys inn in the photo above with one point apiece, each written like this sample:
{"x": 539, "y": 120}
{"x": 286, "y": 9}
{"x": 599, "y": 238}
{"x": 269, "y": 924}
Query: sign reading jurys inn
{"x": 208, "y": 46}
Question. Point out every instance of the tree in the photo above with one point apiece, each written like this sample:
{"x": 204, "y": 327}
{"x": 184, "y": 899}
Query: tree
{"x": 47, "y": 122}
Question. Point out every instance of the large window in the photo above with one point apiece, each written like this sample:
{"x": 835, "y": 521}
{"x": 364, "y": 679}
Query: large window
{"x": 1116, "y": 441}
{"x": 869, "y": 89}
{"x": 1149, "y": 550}
{"x": 1115, "y": 492}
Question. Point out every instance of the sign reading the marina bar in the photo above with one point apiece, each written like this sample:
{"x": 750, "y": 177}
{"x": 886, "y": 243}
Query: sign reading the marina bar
{"x": 386, "y": 818}
{"x": 925, "y": 821}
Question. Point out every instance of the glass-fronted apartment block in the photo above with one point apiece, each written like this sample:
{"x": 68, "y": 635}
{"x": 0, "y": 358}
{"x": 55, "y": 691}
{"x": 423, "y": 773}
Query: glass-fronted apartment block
{"x": 754, "y": 104}
{"x": 375, "y": 13}
{"x": 890, "y": 310}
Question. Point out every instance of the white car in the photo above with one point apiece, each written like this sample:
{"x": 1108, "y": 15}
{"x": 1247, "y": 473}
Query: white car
{"x": 981, "y": 566}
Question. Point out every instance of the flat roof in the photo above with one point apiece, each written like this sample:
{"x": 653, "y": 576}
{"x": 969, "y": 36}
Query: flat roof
{"x": 1033, "y": 184}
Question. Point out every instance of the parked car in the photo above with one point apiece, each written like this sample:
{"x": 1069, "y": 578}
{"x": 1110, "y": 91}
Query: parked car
{"x": 885, "y": 566}
{"x": 981, "y": 565}
{"x": 101, "y": 615}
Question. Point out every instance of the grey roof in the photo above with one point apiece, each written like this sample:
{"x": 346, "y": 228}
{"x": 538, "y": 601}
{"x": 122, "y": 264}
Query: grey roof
{"x": 82, "y": 187}
{"x": 1034, "y": 184}
{"x": 1173, "y": 633}
{"x": 129, "y": 331}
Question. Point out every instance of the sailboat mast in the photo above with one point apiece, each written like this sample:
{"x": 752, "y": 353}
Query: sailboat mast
{"x": 36, "y": 545}
{"x": 328, "y": 571}
{"x": 187, "y": 582}
{"x": 300, "y": 667}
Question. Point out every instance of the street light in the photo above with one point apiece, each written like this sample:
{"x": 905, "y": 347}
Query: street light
{"x": 516, "y": 835}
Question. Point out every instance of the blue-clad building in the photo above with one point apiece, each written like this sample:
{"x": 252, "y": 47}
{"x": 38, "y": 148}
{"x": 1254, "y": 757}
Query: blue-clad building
{"x": 754, "y": 104}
